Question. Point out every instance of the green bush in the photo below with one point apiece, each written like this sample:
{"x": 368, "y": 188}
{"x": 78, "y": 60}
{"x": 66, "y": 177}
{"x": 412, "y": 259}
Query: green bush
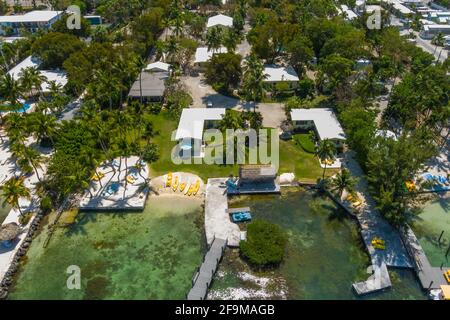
{"x": 25, "y": 218}
{"x": 305, "y": 141}
{"x": 265, "y": 245}
{"x": 46, "y": 204}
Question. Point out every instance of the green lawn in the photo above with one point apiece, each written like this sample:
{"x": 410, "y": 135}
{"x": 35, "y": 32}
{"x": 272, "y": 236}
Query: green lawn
{"x": 304, "y": 140}
{"x": 304, "y": 165}
{"x": 292, "y": 157}
{"x": 164, "y": 126}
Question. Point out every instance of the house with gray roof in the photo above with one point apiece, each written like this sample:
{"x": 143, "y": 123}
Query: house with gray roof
{"x": 151, "y": 83}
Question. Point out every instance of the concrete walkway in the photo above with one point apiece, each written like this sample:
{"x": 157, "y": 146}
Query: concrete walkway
{"x": 202, "y": 93}
{"x": 374, "y": 225}
{"x": 217, "y": 221}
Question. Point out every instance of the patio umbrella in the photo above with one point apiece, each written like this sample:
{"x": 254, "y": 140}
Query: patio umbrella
{"x": 9, "y": 231}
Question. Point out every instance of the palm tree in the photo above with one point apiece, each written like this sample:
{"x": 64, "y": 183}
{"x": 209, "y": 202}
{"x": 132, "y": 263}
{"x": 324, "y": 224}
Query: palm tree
{"x": 178, "y": 23}
{"x": 54, "y": 88}
{"x": 160, "y": 50}
{"x": 214, "y": 39}
{"x": 253, "y": 79}
{"x": 32, "y": 79}
{"x": 33, "y": 159}
{"x": 343, "y": 181}
{"x": 166, "y": 23}
{"x": 90, "y": 160}
{"x": 172, "y": 49}
{"x": 140, "y": 65}
{"x": 438, "y": 40}
{"x": 230, "y": 40}
{"x": 231, "y": 120}
{"x": 326, "y": 150}
{"x": 10, "y": 89}
{"x": 124, "y": 149}
{"x": 44, "y": 127}
{"x": 14, "y": 189}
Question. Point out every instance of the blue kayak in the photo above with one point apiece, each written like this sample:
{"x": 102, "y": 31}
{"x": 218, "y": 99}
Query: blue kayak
{"x": 241, "y": 217}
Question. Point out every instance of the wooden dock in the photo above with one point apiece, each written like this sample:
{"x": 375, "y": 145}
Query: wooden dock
{"x": 203, "y": 277}
{"x": 379, "y": 280}
{"x": 429, "y": 277}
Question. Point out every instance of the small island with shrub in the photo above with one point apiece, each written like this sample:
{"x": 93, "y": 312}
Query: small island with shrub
{"x": 265, "y": 245}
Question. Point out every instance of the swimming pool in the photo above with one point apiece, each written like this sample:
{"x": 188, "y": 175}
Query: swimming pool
{"x": 7, "y": 108}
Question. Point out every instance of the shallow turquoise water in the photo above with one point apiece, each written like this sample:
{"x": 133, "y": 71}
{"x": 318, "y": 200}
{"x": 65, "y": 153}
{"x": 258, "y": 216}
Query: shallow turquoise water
{"x": 147, "y": 255}
{"x": 325, "y": 254}
{"x": 428, "y": 227}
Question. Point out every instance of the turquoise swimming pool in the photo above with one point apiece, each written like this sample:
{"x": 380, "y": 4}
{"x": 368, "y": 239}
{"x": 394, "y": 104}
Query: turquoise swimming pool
{"x": 8, "y": 108}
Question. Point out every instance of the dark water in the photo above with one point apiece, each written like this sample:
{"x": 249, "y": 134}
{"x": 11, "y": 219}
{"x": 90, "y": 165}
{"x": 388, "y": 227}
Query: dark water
{"x": 325, "y": 254}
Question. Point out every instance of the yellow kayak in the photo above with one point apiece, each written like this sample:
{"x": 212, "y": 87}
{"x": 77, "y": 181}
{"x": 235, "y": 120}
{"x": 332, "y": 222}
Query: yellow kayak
{"x": 191, "y": 189}
{"x": 182, "y": 186}
{"x": 196, "y": 188}
{"x": 169, "y": 179}
{"x": 175, "y": 184}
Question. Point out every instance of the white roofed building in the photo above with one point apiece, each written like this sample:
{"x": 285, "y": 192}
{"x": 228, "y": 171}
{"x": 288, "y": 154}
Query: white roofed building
{"x": 52, "y": 75}
{"x": 323, "y": 121}
{"x": 157, "y": 66}
{"x": 348, "y": 13}
{"x": 430, "y": 30}
{"x": 399, "y": 9}
{"x": 193, "y": 122}
{"x": 32, "y": 21}
{"x": 219, "y": 20}
{"x": 276, "y": 74}
{"x": 202, "y": 55}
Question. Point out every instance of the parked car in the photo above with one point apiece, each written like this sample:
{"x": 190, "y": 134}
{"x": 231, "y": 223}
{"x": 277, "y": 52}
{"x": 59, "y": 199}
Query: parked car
{"x": 209, "y": 104}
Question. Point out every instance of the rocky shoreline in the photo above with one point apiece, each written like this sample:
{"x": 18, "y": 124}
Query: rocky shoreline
{"x": 15, "y": 263}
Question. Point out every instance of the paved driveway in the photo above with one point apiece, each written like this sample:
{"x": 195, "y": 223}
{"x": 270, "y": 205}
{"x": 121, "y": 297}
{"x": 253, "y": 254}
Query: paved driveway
{"x": 273, "y": 113}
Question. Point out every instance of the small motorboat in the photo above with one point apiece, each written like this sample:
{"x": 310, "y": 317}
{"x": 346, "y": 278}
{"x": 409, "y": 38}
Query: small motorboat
{"x": 241, "y": 217}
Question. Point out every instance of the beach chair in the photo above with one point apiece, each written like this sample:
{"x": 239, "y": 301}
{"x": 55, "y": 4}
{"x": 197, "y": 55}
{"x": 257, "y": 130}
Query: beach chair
{"x": 98, "y": 176}
{"x": 131, "y": 180}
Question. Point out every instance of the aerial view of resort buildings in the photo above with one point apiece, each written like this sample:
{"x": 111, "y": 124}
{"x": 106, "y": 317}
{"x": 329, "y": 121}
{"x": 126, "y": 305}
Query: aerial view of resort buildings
{"x": 225, "y": 150}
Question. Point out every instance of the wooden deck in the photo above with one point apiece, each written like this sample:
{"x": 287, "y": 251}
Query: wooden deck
{"x": 203, "y": 277}
{"x": 429, "y": 277}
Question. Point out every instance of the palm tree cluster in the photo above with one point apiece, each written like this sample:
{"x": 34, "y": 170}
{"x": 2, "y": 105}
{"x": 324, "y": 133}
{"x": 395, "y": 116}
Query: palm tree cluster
{"x": 97, "y": 136}
{"x": 217, "y": 37}
{"x": 253, "y": 80}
